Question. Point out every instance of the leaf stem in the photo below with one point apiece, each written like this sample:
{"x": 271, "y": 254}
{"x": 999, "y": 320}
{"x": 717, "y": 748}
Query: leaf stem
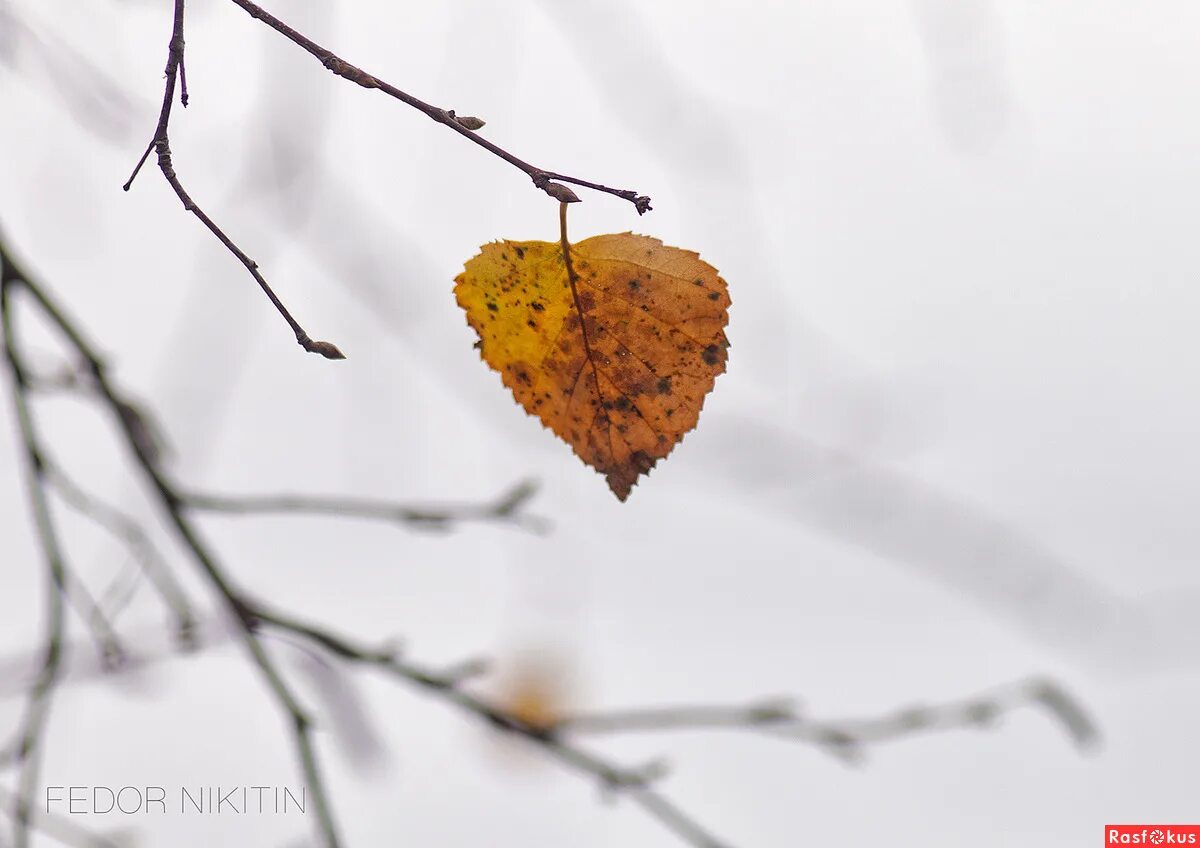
{"x": 566, "y": 246}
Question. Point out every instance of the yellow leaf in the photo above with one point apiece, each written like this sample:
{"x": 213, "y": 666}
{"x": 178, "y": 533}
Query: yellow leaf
{"x": 612, "y": 342}
{"x": 536, "y": 692}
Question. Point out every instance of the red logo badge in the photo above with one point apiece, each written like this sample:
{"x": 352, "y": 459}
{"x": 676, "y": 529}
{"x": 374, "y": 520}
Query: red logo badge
{"x": 1152, "y": 834}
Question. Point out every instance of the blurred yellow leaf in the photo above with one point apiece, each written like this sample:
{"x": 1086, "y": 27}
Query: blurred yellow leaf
{"x": 535, "y": 696}
{"x": 612, "y": 342}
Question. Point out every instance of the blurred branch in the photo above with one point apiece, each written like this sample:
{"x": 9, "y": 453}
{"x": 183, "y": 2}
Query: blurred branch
{"x": 88, "y": 90}
{"x": 27, "y": 748}
{"x": 59, "y": 828}
{"x": 172, "y": 505}
{"x": 846, "y": 738}
{"x": 108, "y": 644}
{"x": 508, "y": 508}
{"x": 148, "y": 646}
{"x": 464, "y": 126}
{"x": 161, "y": 144}
{"x": 63, "y": 379}
{"x": 633, "y": 783}
{"x": 147, "y": 557}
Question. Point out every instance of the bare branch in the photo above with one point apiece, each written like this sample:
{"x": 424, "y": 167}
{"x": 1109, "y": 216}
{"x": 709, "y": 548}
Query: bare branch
{"x": 505, "y": 509}
{"x": 463, "y": 126}
{"x": 162, "y": 145}
{"x": 846, "y": 738}
{"x": 148, "y": 647}
{"x": 172, "y": 507}
{"x": 637, "y": 784}
{"x": 28, "y": 747}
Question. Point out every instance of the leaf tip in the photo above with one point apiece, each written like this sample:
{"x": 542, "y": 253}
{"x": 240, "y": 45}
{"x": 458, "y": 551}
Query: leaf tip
{"x": 621, "y": 488}
{"x": 626, "y": 475}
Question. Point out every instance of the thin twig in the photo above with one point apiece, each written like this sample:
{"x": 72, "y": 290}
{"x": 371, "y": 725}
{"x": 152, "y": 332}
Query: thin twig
{"x": 463, "y": 126}
{"x": 104, "y": 635}
{"x": 505, "y": 509}
{"x": 100, "y": 628}
{"x": 147, "y": 648}
{"x": 706, "y": 717}
{"x": 183, "y": 91}
{"x": 61, "y": 379}
{"x": 846, "y": 738}
{"x": 121, "y": 589}
{"x": 141, "y": 547}
{"x": 162, "y": 145}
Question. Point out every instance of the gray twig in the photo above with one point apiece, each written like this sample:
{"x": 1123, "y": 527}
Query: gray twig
{"x": 508, "y": 508}
{"x": 847, "y": 738}
{"x": 137, "y": 541}
{"x": 28, "y": 746}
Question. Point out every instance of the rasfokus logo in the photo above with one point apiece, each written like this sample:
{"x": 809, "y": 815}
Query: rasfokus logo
{"x": 1152, "y": 834}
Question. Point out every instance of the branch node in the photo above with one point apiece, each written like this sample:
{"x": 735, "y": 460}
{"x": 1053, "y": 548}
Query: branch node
{"x": 347, "y": 71}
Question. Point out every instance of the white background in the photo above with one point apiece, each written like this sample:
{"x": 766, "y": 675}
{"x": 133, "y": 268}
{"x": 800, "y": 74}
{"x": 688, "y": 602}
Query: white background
{"x": 955, "y": 445}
